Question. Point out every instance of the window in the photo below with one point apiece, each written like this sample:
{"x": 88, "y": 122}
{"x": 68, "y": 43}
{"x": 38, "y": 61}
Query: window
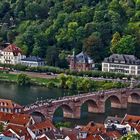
{"x": 133, "y": 67}
{"x": 133, "y": 72}
{"x": 105, "y": 69}
{"x": 105, "y": 65}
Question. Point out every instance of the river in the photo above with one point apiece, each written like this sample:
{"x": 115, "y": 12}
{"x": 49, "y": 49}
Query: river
{"x": 28, "y": 95}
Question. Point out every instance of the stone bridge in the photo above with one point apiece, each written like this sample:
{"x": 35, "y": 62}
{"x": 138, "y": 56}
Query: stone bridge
{"x": 71, "y": 105}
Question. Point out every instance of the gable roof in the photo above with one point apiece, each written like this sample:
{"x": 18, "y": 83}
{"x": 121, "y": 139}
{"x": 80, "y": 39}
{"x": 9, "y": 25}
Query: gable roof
{"x": 83, "y": 58}
{"x": 93, "y": 128}
{"x": 122, "y": 58}
{"x": 42, "y": 125}
{"x": 33, "y": 59}
{"x": 13, "y": 48}
{"x": 15, "y": 119}
{"x": 20, "y": 131}
{"x": 9, "y": 104}
{"x": 20, "y": 119}
{"x": 128, "y": 119}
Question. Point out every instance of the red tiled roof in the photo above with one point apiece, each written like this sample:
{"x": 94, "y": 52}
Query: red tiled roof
{"x": 114, "y": 134}
{"x": 12, "y": 48}
{"x": 20, "y": 119}
{"x": 19, "y": 130}
{"x": 136, "y": 126}
{"x": 16, "y": 119}
{"x": 43, "y": 138}
{"x": 72, "y": 136}
{"x": 97, "y": 137}
{"x": 7, "y": 133}
{"x": 4, "y": 103}
{"x": 130, "y": 119}
{"x": 5, "y": 116}
{"x": 93, "y": 129}
{"x": 91, "y": 137}
{"x": 42, "y": 125}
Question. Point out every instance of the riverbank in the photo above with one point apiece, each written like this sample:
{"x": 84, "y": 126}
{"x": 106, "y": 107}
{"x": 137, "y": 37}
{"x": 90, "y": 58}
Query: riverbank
{"x": 12, "y": 78}
{"x": 65, "y": 82}
{"x": 57, "y": 70}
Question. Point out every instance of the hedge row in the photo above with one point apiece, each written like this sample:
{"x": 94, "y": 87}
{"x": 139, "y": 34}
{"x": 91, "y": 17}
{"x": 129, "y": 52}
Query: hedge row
{"x": 56, "y": 70}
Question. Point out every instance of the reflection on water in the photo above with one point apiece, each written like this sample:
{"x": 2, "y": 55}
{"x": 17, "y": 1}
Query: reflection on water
{"x": 28, "y": 95}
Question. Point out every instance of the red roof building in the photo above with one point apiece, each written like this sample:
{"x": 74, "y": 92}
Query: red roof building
{"x": 131, "y": 119}
{"x": 11, "y": 55}
{"x": 9, "y": 106}
{"x": 24, "y": 120}
{"x": 18, "y": 132}
{"x": 12, "y": 48}
{"x": 42, "y": 127}
{"x": 80, "y": 62}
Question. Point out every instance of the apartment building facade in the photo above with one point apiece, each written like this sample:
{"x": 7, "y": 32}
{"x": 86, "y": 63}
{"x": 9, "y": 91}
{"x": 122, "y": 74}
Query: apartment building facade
{"x": 121, "y": 63}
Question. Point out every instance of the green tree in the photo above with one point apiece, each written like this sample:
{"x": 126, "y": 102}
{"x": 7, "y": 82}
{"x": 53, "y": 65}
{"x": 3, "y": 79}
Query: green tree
{"x": 40, "y": 45}
{"x": 131, "y": 137}
{"x": 63, "y": 79}
{"x": 52, "y": 56}
{"x": 1, "y": 128}
{"x": 23, "y": 79}
{"x": 115, "y": 39}
{"x": 71, "y": 83}
{"x": 93, "y": 46}
{"x": 126, "y": 45}
{"x": 32, "y": 10}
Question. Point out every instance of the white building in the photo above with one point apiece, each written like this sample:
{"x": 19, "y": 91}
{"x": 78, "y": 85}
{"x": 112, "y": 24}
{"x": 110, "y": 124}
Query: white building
{"x": 11, "y": 55}
{"x": 121, "y": 63}
{"x": 33, "y": 61}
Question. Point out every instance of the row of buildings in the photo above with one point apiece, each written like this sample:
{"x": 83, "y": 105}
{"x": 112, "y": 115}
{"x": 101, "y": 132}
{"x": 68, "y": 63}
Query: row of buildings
{"x": 13, "y": 55}
{"x": 20, "y": 126}
{"x": 117, "y": 63}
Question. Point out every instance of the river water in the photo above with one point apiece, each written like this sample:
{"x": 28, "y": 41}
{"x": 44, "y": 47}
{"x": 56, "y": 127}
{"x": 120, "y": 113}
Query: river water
{"x": 28, "y": 95}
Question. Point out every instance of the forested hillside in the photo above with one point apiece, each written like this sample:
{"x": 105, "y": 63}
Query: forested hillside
{"x": 53, "y": 28}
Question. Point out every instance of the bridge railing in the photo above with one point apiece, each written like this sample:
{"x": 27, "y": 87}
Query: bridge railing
{"x": 49, "y": 102}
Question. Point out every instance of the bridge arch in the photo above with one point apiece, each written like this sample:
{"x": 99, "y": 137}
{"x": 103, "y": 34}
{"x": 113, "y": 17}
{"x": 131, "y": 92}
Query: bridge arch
{"x": 91, "y": 105}
{"x": 38, "y": 115}
{"x": 66, "y": 109}
{"x": 134, "y": 98}
{"x": 114, "y": 100}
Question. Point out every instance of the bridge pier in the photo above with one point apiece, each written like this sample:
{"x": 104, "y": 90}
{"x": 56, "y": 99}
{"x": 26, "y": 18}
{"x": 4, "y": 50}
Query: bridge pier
{"x": 124, "y": 100}
{"x": 101, "y": 106}
{"x": 77, "y": 112}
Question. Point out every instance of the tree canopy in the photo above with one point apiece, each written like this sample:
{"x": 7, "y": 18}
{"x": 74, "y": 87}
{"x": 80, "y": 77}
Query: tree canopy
{"x": 98, "y": 27}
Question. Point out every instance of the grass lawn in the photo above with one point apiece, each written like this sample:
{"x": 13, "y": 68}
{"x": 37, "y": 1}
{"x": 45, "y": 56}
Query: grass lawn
{"x": 13, "y": 78}
{"x": 7, "y": 76}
